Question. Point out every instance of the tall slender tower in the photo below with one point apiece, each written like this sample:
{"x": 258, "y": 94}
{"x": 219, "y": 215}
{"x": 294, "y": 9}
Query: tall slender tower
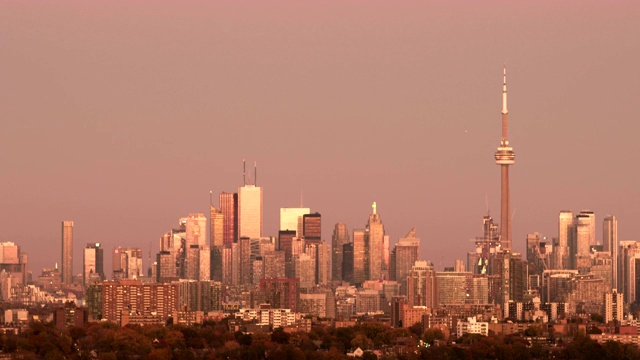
{"x": 505, "y": 157}
{"x": 67, "y": 252}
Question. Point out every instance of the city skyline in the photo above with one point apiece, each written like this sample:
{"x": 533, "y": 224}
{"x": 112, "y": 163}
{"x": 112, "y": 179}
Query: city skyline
{"x": 383, "y": 108}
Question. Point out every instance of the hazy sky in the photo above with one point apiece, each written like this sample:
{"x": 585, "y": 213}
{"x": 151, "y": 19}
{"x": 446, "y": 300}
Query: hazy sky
{"x": 122, "y": 116}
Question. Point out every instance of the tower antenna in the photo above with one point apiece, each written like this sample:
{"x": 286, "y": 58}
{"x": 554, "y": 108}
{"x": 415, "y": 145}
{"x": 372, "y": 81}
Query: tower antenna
{"x": 244, "y": 172}
{"x": 255, "y": 171}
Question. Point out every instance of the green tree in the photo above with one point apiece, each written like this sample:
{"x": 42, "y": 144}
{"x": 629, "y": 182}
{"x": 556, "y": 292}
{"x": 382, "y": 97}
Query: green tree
{"x": 432, "y": 334}
{"x": 280, "y": 336}
{"x": 362, "y": 341}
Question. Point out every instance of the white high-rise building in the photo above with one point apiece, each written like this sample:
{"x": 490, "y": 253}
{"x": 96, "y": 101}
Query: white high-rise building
{"x": 563, "y": 253}
{"x": 291, "y": 219}
{"x": 250, "y": 211}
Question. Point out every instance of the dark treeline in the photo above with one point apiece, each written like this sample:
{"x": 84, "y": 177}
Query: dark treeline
{"x": 213, "y": 340}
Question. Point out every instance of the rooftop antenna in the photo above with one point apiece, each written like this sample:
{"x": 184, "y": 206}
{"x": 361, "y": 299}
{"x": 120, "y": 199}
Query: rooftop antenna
{"x": 255, "y": 171}
{"x": 211, "y": 197}
{"x": 244, "y": 171}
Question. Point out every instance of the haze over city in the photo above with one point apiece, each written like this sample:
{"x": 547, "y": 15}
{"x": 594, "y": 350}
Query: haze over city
{"x": 124, "y": 116}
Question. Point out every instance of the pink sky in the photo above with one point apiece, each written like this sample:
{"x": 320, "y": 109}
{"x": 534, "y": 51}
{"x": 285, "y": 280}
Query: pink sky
{"x": 122, "y": 116}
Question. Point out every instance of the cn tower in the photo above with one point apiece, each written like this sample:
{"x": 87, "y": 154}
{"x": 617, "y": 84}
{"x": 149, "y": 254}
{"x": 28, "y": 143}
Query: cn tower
{"x": 505, "y": 157}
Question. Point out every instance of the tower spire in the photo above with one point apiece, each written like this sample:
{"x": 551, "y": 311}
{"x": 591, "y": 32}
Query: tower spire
{"x": 505, "y": 120}
{"x": 504, "y": 157}
{"x": 504, "y": 90}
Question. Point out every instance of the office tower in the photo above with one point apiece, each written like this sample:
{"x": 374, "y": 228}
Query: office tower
{"x": 374, "y": 237}
{"x": 501, "y": 268}
{"x": 505, "y": 157}
{"x": 244, "y": 257}
{"x": 67, "y": 252}
{"x": 347, "y": 263}
{"x": 564, "y": 258}
{"x": 610, "y": 244}
{"x": 406, "y": 254}
{"x": 127, "y": 263}
{"x": 285, "y": 242}
{"x": 312, "y": 227}
{"x": 517, "y": 277}
{"x": 291, "y": 219}
{"x": 360, "y": 258}
{"x": 613, "y": 306}
{"x": 13, "y": 262}
{"x": 584, "y": 238}
{"x": 216, "y": 230}
{"x": 629, "y": 268}
{"x": 216, "y": 263}
{"x": 339, "y": 238}
{"x": 588, "y": 214}
{"x": 196, "y": 230}
{"x": 281, "y": 293}
{"x": 198, "y": 263}
{"x": 386, "y": 257}
{"x": 93, "y": 263}
{"x": 227, "y": 264}
{"x": 166, "y": 269}
{"x": 323, "y": 263}
{"x": 229, "y": 210}
{"x": 421, "y": 285}
{"x": 250, "y": 208}
{"x": 453, "y": 287}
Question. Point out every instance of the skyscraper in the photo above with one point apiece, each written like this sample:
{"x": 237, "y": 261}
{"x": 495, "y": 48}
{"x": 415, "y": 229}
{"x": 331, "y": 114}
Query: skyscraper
{"x": 584, "y": 238}
{"x": 564, "y": 255}
{"x": 216, "y": 241}
{"x": 347, "y": 263}
{"x": 312, "y": 227}
{"x": 196, "y": 230}
{"x": 505, "y": 157}
{"x": 229, "y": 210}
{"x": 339, "y": 238}
{"x": 127, "y": 263}
{"x": 360, "y": 258}
{"x": 291, "y": 219}
{"x": 406, "y": 254}
{"x": 93, "y": 263}
{"x": 67, "y": 252}
{"x": 250, "y": 211}
{"x": 216, "y": 230}
{"x": 374, "y": 234}
{"x": 610, "y": 244}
